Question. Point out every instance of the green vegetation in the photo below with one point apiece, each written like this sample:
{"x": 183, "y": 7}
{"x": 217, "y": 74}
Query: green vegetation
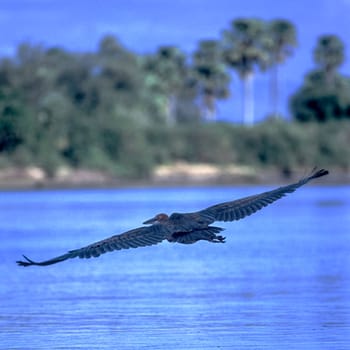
{"x": 325, "y": 94}
{"x": 124, "y": 113}
{"x": 274, "y": 143}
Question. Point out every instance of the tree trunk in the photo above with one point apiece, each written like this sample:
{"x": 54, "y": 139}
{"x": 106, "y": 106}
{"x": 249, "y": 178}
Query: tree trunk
{"x": 248, "y": 99}
{"x": 274, "y": 91}
{"x": 209, "y": 107}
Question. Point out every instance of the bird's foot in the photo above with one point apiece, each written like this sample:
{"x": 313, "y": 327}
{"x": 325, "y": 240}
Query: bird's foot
{"x": 219, "y": 239}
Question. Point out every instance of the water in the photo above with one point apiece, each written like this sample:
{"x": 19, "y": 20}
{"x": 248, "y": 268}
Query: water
{"x": 282, "y": 280}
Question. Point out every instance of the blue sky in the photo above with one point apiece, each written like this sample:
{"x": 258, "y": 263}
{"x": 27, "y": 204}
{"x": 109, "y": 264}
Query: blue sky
{"x": 143, "y": 25}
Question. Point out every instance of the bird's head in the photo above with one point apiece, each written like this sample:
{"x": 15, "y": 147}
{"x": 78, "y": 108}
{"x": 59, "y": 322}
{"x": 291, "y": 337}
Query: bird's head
{"x": 157, "y": 219}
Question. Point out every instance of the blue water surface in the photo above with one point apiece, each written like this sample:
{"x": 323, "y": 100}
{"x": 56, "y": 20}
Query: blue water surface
{"x": 281, "y": 281}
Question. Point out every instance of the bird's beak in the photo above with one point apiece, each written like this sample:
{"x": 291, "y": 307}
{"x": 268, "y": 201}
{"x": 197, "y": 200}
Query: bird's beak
{"x": 150, "y": 221}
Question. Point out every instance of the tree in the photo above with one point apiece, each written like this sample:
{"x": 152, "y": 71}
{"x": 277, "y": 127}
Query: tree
{"x": 211, "y": 76}
{"x": 166, "y": 74}
{"x": 282, "y": 39}
{"x": 318, "y": 101}
{"x": 119, "y": 72}
{"x": 244, "y": 50}
{"x": 329, "y": 55}
{"x": 325, "y": 94}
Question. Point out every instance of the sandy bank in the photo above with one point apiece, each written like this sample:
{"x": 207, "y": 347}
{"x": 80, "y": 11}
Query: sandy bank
{"x": 178, "y": 174}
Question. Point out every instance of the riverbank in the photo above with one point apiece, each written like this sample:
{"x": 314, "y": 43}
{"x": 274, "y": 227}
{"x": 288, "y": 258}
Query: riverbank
{"x": 177, "y": 174}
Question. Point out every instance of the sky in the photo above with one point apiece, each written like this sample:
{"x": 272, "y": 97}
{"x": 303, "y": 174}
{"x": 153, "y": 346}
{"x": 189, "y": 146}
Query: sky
{"x": 143, "y": 25}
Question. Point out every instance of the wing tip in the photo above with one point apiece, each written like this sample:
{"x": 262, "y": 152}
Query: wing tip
{"x": 318, "y": 173}
{"x": 29, "y": 262}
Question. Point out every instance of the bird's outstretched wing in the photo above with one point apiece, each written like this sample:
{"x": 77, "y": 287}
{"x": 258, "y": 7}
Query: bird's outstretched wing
{"x": 139, "y": 237}
{"x": 240, "y": 208}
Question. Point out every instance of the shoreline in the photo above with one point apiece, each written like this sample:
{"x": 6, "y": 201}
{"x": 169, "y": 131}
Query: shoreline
{"x": 175, "y": 175}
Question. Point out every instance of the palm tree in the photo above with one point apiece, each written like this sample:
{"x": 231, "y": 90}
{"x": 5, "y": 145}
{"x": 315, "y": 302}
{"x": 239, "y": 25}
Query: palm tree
{"x": 281, "y": 41}
{"x": 210, "y": 75}
{"x": 244, "y": 51}
{"x": 329, "y": 55}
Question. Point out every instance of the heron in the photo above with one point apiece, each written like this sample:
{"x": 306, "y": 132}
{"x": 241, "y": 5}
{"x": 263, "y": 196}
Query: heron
{"x": 185, "y": 228}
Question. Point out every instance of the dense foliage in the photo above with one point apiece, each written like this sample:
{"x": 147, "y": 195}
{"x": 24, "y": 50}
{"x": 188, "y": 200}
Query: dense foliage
{"x": 124, "y": 113}
{"x": 325, "y": 94}
{"x": 273, "y": 143}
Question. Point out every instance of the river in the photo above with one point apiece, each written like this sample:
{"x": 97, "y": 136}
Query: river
{"x": 281, "y": 280}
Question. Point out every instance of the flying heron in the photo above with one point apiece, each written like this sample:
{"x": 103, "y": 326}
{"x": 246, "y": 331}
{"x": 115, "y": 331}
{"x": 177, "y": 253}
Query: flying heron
{"x": 185, "y": 228}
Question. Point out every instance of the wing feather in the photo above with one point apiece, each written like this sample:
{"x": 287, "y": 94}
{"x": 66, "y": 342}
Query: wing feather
{"x": 139, "y": 237}
{"x": 240, "y": 208}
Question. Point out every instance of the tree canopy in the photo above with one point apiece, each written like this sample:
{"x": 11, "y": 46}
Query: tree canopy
{"x": 325, "y": 93}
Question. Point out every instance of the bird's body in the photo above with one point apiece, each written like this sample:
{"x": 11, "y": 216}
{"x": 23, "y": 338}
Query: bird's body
{"x": 185, "y": 228}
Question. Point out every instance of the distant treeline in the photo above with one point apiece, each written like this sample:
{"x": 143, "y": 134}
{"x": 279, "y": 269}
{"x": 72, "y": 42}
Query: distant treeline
{"x": 124, "y": 112}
